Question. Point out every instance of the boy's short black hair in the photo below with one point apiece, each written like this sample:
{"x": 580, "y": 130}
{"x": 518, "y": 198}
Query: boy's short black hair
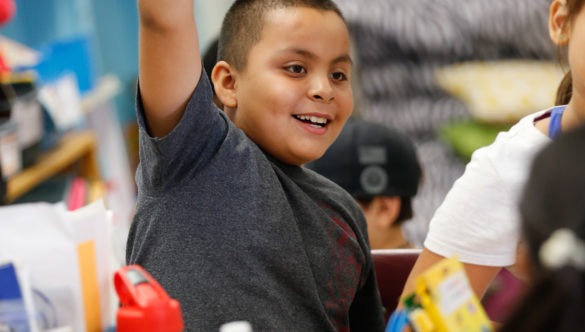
{"x": 243, "y": 23}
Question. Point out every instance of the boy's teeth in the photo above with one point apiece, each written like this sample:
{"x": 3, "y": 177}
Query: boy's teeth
{"x": 318, "y": 120}
{"x": 312, "y": 119}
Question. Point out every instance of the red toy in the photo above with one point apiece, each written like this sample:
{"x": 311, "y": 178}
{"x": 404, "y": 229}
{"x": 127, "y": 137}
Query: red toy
{"x": 145, "y": 306}
{"x": 7, "y": 9}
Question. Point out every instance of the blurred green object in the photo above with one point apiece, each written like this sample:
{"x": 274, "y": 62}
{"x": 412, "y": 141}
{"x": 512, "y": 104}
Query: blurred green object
{"x": 467, "y": 136}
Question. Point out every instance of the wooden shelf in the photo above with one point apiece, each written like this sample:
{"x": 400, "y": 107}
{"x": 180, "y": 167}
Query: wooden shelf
{"x": 75, "y": 147}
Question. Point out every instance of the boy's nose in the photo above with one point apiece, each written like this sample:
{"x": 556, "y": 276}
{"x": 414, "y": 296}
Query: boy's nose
{"x": 321, "y": 89}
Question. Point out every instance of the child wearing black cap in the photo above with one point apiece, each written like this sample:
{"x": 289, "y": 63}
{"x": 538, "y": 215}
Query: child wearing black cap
{"x": 379, "y": 168}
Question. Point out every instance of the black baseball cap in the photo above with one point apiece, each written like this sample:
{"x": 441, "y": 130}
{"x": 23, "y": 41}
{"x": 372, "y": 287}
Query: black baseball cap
{"x": 369, "y": 159}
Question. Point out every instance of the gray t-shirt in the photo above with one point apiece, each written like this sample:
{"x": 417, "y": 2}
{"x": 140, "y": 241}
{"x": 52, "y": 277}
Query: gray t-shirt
{"x": 233, "y": 234}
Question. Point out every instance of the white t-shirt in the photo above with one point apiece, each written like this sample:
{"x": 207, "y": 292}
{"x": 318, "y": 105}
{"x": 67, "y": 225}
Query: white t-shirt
{"x": 479, "y": 221}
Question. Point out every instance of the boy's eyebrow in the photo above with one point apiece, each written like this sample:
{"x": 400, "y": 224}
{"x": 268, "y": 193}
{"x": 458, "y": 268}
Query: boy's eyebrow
{"x": 343, "y": 58}
{"x": 312, "y": 56}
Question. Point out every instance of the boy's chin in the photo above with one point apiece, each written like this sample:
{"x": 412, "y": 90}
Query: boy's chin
{"x": 309, "y": 157}
{"x": 300, "y": 158}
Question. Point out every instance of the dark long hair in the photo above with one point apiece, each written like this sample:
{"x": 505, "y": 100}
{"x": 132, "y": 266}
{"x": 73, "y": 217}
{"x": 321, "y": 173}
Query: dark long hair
{"x": 553, "y": 198}
{"x": 565, "y": 90}
{"x": 554, "y": 303}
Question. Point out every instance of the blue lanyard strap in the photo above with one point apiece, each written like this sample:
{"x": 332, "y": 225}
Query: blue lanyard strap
{"x": 554, "y": 127}
{"x": 398, "y": 321}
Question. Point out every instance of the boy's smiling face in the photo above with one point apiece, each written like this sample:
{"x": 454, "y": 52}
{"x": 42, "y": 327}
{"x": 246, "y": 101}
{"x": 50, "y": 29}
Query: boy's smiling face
{"x": 294, "y": 95}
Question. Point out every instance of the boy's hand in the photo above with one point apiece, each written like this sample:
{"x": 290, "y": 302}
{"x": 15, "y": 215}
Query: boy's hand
{"x": 169, "y": 61}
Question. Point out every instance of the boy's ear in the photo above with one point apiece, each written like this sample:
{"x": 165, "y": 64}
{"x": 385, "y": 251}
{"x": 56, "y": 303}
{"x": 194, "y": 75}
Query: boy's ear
{"x": 224, "y": 82}
{"x": 558, "y": 26}
{"x": 388, "y": 208}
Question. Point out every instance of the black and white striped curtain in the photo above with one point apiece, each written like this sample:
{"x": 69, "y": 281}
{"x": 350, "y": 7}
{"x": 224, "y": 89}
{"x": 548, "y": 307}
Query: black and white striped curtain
{"x": 399, "y": 44}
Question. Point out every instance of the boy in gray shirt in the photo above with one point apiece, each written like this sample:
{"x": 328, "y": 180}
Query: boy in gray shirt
{"x": 228, "y": 220}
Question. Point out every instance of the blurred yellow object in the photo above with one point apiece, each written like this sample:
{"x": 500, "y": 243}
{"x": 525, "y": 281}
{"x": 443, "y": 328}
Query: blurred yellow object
{"x": 445, "y": 301}
{"x": 28, "y": 76}
{"x": 420, "y": 321}
{"x": 502, "y": 91}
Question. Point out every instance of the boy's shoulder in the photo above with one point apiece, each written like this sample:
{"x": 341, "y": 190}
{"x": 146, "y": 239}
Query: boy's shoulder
{"x": 329, "y": 191}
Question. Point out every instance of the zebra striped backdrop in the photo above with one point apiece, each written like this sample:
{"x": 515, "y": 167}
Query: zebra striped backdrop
{"x": 399, "y": 44}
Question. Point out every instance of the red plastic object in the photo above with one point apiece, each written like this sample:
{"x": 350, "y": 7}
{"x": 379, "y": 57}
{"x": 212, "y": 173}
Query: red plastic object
{"x": 145, "y": 306}
{"x": 7, "y": 9}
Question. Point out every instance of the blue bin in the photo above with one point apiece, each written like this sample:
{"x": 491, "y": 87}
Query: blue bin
{"x": 72, "y": 55}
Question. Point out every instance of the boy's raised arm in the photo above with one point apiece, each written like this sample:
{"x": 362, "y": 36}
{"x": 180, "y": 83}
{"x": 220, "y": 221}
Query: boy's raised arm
{"x": 169, "y": 61}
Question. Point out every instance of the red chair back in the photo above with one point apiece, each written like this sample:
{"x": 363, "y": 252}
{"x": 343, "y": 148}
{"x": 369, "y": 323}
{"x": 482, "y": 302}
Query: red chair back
{"x": 392, "y": 269}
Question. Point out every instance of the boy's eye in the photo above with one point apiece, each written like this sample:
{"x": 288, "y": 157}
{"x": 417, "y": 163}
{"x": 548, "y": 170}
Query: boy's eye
{"x": 297, "y": 69}
{"x": 339, "y": 76}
